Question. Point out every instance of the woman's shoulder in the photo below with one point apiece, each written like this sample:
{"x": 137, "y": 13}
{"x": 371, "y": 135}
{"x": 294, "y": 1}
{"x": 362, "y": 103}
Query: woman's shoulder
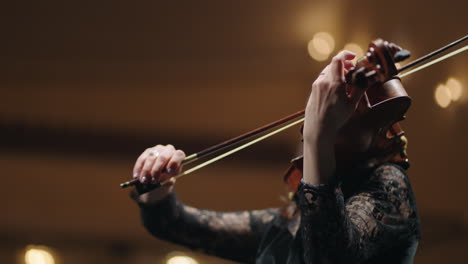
{"x": 376, "y": 176}
{"x": 389, "y": 171}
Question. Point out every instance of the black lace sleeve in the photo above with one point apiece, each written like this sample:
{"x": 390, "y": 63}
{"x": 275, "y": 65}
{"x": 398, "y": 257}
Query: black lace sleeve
{"x": 380, "y": 216}
{"x": 230, "y": 235}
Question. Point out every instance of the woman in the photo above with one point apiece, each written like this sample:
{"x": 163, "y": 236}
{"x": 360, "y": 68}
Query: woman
{"x": 350, "y": 208}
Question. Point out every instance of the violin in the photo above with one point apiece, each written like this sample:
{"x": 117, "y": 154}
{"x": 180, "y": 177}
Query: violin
{"x": 383, "y": 105}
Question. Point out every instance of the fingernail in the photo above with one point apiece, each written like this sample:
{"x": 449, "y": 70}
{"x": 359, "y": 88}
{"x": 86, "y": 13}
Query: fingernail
{"x": 143, "y": 179}
{"x": 135, "y": 175}
{"x": 153, "y": 179}
{"x": 169, "y": 171}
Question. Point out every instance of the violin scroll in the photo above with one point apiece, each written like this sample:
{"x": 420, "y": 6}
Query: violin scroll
{"x": 385, "y": 101}
{"x": 377, "y": 66}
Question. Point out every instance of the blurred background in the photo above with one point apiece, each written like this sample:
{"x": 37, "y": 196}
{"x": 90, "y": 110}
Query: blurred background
{"x": 86, "y": 86}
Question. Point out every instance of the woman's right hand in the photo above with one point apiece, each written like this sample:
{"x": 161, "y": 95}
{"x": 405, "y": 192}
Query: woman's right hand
{"x": 155, "y": 165}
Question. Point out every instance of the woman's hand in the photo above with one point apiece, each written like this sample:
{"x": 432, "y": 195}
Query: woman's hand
{"x": 330, "y": 105}
{"x": 156, "y": 165}
{"x": 331, "y": 102}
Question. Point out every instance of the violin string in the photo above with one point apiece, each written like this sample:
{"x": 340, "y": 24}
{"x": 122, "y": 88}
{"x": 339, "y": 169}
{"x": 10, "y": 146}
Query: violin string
{"x": 446, "y": 56}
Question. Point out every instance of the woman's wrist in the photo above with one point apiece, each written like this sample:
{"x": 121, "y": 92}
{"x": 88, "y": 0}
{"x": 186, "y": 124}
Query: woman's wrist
{"x": 156, "y": 195}
{"x": 315, "y": 131}
{"x": 319, "y": 137}
{"x": 319, "y": 157}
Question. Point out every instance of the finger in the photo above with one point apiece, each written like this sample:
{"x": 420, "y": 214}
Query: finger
{"x": 174, "y": 165}
{"x": 348, "y": 64}
{"x": 336, "y": 65}
{"x": 141, "y": 161}
{"x": 347, "y": 55}
{"x": 337, "y": 62}
{"x": 149, "y": 159}
{"x": 139, "y": 165}
{"x": 161, "y": 162}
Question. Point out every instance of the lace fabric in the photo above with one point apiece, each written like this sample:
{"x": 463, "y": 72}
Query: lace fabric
{"x": 378, "y": 217}
{"x": 359, "y": 221}
{"x": 230, "y": 235}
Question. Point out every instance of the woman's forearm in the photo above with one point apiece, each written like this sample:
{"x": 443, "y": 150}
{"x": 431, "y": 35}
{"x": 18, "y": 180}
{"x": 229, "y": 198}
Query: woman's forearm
{"x": 328, "y": 108}
{"x": 319, "y": 157}
{"x": 230, "y": 235}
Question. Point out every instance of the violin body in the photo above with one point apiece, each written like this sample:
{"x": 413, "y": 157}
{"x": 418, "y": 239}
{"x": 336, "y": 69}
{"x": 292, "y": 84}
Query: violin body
{"x": 384, "y": 105}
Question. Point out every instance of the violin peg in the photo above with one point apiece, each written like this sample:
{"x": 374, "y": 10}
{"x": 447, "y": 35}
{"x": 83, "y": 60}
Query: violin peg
{"x": 370, "y": 74}
{"x": 401, "y": 55}
{"x": 360, "y": 78}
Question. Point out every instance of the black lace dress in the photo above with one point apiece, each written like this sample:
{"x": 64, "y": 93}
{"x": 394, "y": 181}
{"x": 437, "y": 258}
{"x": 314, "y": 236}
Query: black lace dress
{"x": 370, "y": 217}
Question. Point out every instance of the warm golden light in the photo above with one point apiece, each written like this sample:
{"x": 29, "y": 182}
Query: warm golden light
{"x": 455, "y": 88}
{"x": 181, "y": 260}
{"x": 314, "y": 54}
{"x": 321, "y": 46}
{"x": 442, "y": 96}
{"x": 450, "y": 91}
{"x": 38, "y": 255}
{"x": 356, "y": 49}
{"x": 323, "y": 42}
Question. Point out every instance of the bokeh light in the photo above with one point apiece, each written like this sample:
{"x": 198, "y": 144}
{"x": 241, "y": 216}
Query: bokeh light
{"x": 442, "y": 96}
{"x": 179, "y": 257}
{"x": 449, "y": 92}
{"x": 181, "y": 260}
{"x": 455, "y": 88}
{"x": 38, "y": 255}
{"x": 321, "y": 46}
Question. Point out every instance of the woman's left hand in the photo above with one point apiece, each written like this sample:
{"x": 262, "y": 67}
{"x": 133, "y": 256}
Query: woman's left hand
{"x": 330, "y": 105}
